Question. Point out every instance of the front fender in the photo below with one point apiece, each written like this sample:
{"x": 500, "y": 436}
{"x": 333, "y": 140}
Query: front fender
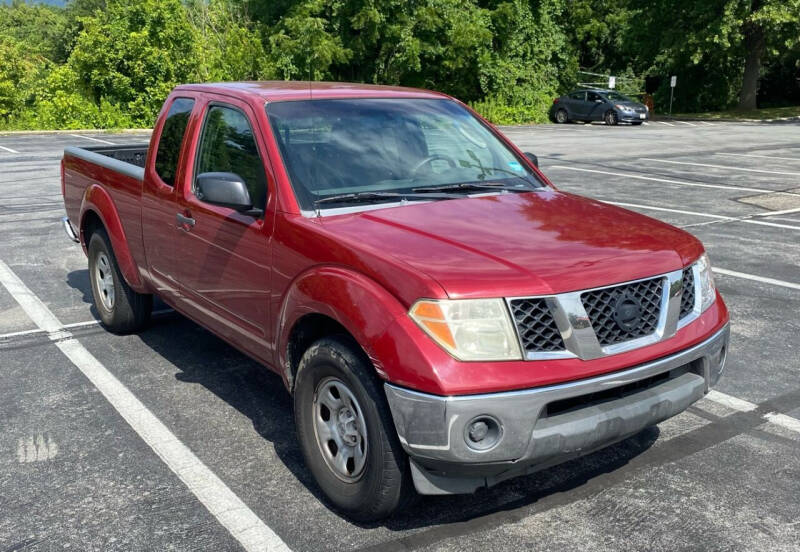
{"x": 361, "y": 305}
{"x": 97, "y": 200}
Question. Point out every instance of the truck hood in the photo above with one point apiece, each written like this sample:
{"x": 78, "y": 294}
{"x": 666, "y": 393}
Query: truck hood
{"x": 515, "y": 244}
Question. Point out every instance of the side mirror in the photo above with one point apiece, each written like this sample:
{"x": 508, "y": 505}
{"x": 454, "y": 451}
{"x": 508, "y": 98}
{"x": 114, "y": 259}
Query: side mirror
{"x": 532, "y": 158}
{"x": 226, "y": 190}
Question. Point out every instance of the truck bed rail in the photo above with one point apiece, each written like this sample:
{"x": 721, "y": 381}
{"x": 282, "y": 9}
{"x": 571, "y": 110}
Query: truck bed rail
{"x": 126, "y": 160}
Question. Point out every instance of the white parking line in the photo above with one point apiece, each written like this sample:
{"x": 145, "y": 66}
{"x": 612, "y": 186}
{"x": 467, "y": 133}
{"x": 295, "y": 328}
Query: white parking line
{"x": 664, "y": 123}
{"x": 645, "y": 123}
{"x": 72, "y": 326}
{"x": 786, "y": 422}
{"x": 741, "y": 405}
{"x": 679, "y": 211}
{"x": 734, "y": 403}
{"x": 762, "y": 279}
{"x": 240, "y": 521}
{"x": 728, "y": 167}
{"x": 9, "y": 150}
{"x": 706, "y": 123}
{"x": 686, "y": 123}
{"x": 708, "y": 215}
{"x": 759, "y": 156}
{"x": 664, "y": 180}
{"x": 94, "y": 139}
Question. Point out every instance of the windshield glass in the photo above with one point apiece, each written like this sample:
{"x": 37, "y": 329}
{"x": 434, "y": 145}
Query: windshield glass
{"x": 617, "y": 97}
{"x": 391, "y": 146}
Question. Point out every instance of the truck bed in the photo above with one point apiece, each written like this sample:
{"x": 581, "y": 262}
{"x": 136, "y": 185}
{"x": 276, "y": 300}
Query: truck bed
{"x": 135, "y": 154}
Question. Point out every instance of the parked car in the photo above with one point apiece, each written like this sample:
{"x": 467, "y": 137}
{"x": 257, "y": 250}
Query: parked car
{"x": 598, "y": 105}
{"x": 443, "y": 316}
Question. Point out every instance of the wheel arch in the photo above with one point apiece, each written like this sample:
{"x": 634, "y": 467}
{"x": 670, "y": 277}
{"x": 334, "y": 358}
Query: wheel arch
{"x": 98, "y": 211}
{"x": 333, "y": 300}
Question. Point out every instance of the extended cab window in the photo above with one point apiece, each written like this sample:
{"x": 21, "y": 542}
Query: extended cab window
{"x": 169, "y": 145}
{"x": 228, "y": 145}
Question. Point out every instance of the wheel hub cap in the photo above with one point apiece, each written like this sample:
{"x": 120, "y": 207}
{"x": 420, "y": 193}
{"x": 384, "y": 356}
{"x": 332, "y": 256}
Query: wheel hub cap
{"x": 104, "y": 281}
{"x": 340, "y": 430}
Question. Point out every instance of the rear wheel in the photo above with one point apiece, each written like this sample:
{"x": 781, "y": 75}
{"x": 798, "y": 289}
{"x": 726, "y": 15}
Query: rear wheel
{"x": 346, "y": 432}
{"x": 121, "y": 309}
{"x": 562, "y": 116}
{"x": 611, "y": 117}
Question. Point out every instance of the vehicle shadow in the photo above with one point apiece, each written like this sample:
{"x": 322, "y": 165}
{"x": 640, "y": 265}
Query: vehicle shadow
{"x": 260, "y": 395}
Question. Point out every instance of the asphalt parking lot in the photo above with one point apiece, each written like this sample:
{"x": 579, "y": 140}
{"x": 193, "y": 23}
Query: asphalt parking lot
{"x": 725, "y": 475}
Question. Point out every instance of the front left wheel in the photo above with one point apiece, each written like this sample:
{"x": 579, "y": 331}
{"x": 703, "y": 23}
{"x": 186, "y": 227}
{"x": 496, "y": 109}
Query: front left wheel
{"x": 611, "y": 117}
{"x": 347, "y": 433}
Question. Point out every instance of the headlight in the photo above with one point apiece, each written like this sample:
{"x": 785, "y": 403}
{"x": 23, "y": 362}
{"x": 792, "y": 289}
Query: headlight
{"x": 469, "y": 329}
{"x": 708, "y": 291}
{"x": 624, "y": 107}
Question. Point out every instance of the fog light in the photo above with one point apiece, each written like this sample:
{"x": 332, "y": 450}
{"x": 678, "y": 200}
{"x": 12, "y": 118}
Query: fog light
{"x": 483, "y": 433}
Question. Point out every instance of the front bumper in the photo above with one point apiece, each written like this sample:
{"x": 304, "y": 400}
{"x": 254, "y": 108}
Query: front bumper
{"x": 544, "y": 426}
{"x": 628, "y": 117}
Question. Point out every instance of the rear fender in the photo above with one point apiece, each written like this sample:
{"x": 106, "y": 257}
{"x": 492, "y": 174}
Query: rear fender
{"x": 98, "y": 201}
{"x": 359, "y": 304}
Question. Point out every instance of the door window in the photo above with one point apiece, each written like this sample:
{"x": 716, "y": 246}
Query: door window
{"x": 169, "y": 145}
{"x": 228, "y": 145}
{"x": 594, "y": 96}
{"x": 578, "y": 96}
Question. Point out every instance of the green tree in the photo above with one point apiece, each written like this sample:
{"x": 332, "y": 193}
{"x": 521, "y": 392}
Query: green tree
{"x": 133, "y": 53}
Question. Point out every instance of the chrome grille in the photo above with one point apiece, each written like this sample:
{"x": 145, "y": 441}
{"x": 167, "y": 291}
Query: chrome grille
{"x": 536, "y": 327}
{"x": 601, "y": 307}
{"x": 687, "y": 297}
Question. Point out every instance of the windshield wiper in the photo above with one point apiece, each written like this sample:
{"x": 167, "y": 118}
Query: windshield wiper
{"x": 473, "y": 186}
{"x": 359, "y": 197}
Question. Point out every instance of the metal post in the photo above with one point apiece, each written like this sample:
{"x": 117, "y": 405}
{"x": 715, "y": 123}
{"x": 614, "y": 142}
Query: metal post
{"x": 671, "y": 91}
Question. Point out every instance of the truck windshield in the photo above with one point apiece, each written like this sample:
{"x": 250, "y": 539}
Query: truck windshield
{"x": 402, "y": 148}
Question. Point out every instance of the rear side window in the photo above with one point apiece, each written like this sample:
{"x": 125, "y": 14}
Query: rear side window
{"x": 578, "y": 96}
{"x": 169, "y": 145}
{"x": 228, "y": 145}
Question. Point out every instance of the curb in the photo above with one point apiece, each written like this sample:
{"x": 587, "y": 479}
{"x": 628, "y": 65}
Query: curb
{"x": 79, "y": 131}
{"x": 727, "y": 120}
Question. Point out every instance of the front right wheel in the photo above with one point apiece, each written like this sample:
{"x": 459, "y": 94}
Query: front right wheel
{"x": 347, "y": 433}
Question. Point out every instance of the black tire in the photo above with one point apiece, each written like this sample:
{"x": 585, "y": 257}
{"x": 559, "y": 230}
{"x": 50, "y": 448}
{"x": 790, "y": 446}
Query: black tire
{"x": 383, "y": 485}
{"x": 611, "y": 117}
{"x": 127, "y": 311}
{"x": 562, "y": 117}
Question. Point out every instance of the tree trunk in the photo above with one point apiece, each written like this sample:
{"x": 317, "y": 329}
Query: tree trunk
{"x": 754, "y": 44}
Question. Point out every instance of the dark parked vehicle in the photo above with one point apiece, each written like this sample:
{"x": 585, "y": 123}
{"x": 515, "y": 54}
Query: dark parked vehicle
{"x": 598, "y": 105}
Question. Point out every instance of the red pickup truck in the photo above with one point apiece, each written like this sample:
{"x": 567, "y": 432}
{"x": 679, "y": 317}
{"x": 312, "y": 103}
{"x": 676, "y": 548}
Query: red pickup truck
{"x": 443, "y": 316}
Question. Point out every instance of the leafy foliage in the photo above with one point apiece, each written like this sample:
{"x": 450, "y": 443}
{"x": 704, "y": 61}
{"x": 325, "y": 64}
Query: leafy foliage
{"x": 110, "y": 63}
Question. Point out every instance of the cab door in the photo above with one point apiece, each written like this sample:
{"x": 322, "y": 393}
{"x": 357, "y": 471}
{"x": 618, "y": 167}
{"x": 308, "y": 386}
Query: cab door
{"x": 159, "y": 195}
{"x": 223, "y": 256}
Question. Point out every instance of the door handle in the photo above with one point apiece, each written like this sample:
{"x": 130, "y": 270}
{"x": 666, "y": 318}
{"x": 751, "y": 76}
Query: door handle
{"x": 184, "y": 221}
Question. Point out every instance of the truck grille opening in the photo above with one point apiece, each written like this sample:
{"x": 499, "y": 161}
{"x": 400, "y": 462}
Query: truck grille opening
{"x": 573, "y": 403}
{"x": 536, "y": 326}
{"x": 602, "y": 305}
{"x": 687, "y": 296}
